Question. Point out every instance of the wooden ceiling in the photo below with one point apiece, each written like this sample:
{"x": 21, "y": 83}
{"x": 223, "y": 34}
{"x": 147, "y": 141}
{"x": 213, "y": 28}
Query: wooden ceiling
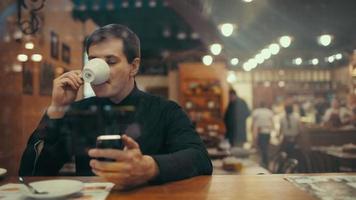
{"x": 176, "y": 30}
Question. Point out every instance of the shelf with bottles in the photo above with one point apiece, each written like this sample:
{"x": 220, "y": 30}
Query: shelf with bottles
{"x": 211, "y": 127}
{"x": 203, "y": 95}
{"x": 201, "y": 87}
{"x": 194, "y": 103}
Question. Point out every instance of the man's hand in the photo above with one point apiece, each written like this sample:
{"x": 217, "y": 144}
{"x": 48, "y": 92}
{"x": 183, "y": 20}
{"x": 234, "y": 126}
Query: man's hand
{"x": 130, "y": 167}
{"x": 65, "y": 89}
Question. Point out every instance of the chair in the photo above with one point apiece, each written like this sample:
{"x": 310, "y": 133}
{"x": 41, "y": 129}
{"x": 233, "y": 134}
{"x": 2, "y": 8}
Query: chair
{"x": 290, "y": 166}
{"x": 275, "y": 166}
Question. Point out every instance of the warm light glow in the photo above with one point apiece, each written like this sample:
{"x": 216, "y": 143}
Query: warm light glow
{"x": 181, "y": 35}
{"x": 274, "y": 48}
{"x": 29, "y": 45}
{"x": 259, "y": 58}
{"x": 246, "y": 67}
{"x": 331, "y": 59}
{"x": 138, "y": 4}
{"x": 227, "y": 29}
{"x": 266, "y": 54}
{"x": 267, "y": 84}
{"x": 285, "y": 41}
{"x": 231, "y": 77}
{"x": 315, "y": 61}
{"x": 281, "y": 72}
{"x": 22, "y": 57}
{"x": 252, "y": 63}
{"x": 298, "y": 61}
{"x": 234, "y": 61}
{"x": 207, "y": 60}
{"x": 152, "y": 3}
{"x": 338, "y": 56}
{"x": 125, "y": 4}
{"x": 17, "y": 68}
{"x": 281, "y": 83}
{"x": 36, "y": 57}
{"x": 194, "y": 35}
{"x": 325, "y": 40}
{"x": 215, "y": 48}
{"x": 247, "y": 1}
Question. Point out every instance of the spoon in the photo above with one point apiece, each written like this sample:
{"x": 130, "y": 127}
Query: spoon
{"x": 32, "y": 189}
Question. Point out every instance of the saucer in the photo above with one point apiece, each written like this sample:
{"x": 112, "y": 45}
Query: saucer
{"x": 55, "y": 188}
{"x": 2, "y": 172}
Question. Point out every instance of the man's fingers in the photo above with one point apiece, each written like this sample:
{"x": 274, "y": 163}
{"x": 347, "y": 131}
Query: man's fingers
{"x": 129, "y": 142}
{"x": 117, "y": 178}
{"x": 120, "y": 167}
{"x": 67, "y": 81}
{"x": 76, "y": 78}
{"x": 109, "y": 153}
{"x": 73, "y": 75}
{"x": 73, "y": 79}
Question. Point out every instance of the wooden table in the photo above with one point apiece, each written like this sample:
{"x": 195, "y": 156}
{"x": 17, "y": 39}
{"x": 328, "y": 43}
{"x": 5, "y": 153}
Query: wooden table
{"x": 206, "y": 187}
{"x": 250, "y": 167}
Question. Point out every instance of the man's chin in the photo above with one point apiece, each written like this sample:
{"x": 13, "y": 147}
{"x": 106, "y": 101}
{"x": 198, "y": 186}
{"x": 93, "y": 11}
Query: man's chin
{"x": 101, "y": 90}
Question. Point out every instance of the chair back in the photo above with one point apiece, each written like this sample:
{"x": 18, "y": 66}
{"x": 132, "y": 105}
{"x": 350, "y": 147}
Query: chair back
{"x": 290, "y": 166}
{"x": 276, "y": 165}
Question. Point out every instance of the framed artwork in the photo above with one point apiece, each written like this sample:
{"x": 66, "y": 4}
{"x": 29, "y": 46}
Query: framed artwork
{"x": 65, "y": 53}
{"x": 27, "y": 79}
{"x": 46, "y": 79}
{"x": 54, "y": 45}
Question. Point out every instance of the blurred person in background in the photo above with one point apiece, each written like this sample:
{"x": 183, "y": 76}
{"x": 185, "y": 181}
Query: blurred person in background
{"x": 289, "y": 129}
{"x": 235, "y": 119}
{"x": 321, "y": 105}
{"x": 262, "y": 126}
{"x": 167, "y": 147}
{"x": 351, "y": 106}
{"x": 336, "y": 116}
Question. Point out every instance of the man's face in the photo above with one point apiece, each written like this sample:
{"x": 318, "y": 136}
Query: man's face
{"x": 335, "y": 104}
{"x": 121, "y": 72}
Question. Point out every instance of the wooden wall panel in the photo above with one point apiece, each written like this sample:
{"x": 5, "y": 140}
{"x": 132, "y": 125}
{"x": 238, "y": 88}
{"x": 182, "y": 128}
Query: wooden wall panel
{"x": 20, "y": 113}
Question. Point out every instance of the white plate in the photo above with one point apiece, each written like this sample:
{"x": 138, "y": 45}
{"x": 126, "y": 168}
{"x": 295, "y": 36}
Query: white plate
{"x": 55, "y": 188}
{"x": 2, "y": 172}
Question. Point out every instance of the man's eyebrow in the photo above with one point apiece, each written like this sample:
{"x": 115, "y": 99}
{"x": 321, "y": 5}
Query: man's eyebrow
{"x": 112, "y": 56}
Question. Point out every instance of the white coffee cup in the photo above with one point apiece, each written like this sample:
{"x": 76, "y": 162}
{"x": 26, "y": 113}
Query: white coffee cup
{"x": 96, "y": 71}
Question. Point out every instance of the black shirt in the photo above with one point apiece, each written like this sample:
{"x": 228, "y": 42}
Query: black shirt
{"x": 159, "y": 126}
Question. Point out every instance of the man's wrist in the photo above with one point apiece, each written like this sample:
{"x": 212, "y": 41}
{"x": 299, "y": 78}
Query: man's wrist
{"x": 56, "y": 112}
{"x": 152, "y": 168}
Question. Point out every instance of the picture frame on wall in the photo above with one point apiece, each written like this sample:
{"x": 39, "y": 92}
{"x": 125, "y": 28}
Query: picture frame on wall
{"x": 27, "y": 80}
{"x": 65, "y": 53}
{"x": 54, "y": 45}
{"x": 47, "y": 75}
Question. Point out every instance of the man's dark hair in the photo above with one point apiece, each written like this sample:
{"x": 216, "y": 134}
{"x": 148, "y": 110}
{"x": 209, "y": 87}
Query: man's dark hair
{"x": 130, "y": 40}
{"x": 232, "y": 92}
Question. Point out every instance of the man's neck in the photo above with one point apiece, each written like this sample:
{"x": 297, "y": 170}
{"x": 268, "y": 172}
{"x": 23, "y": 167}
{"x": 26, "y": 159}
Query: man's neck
{"x": 124, "y": 93}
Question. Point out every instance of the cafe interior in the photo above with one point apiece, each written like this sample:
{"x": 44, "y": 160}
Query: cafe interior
{"x": 294, "y": 58}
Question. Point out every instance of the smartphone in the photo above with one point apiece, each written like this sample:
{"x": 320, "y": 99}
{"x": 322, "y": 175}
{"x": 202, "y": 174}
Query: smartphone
{"x": 109, "y": 142}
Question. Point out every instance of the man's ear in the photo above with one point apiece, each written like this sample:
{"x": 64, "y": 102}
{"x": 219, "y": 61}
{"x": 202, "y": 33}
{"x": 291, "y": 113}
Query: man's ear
{"x": 135, "y": 66}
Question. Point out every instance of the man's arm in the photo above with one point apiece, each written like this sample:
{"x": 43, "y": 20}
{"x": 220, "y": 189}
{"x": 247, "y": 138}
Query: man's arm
{"x": 47, "y": 149}
{"x": 185, "y": 155}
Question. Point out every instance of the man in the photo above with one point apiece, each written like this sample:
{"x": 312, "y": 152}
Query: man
{"x": 163, "y": 145}
{"x": 262, "y": 126}
{"x": 235, "y": 119}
